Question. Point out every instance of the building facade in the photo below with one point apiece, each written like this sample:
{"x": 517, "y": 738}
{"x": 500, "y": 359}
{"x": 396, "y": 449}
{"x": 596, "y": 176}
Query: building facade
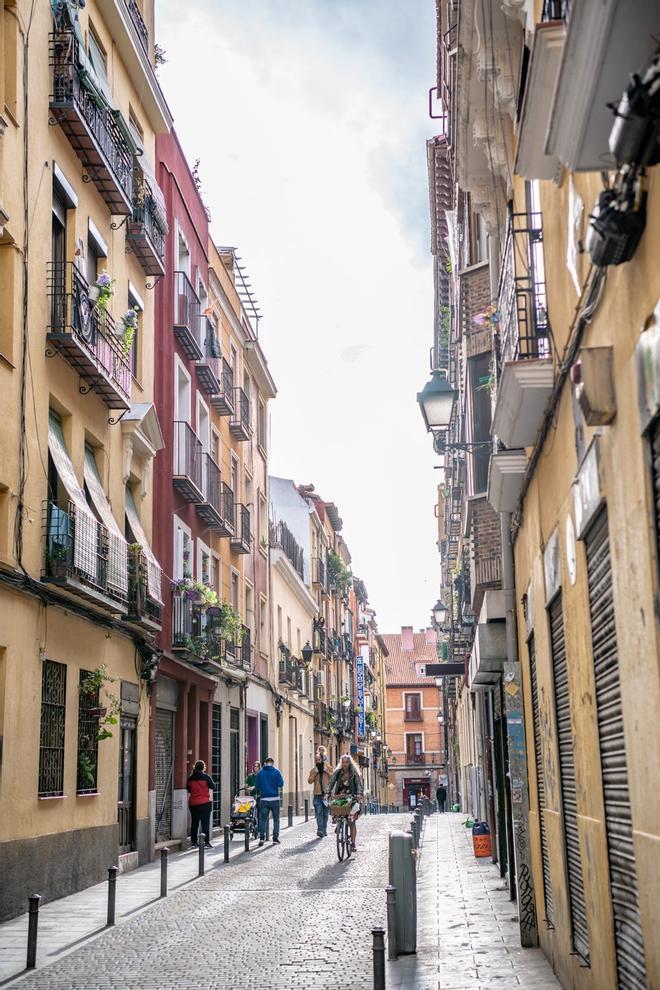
{"x": 80, "y": 588}
{"x": 571, "y": 472}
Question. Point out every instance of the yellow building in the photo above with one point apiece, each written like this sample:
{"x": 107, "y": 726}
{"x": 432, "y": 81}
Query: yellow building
{"x": 574, "y": 318}
{"x": 79, "y": 603}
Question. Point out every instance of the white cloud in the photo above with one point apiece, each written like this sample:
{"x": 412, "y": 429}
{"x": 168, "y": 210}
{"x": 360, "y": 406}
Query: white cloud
{"x": 311, "y": 140}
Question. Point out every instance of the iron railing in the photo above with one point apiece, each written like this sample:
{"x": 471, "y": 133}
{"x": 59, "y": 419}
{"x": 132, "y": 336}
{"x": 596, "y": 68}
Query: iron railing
{"x": 142, "y": 603}
{"x": 282, "y": 537}
{"x": 192, "y": 628}
{"x": 144, "y": 233}
{"x": 319, "y": 639}
{"x": 246, "y": 647}
{"x": 78, "y": 107}
{"x": 286, "y": 666}
{"x": 239, "y": 424}
{"x": 138, "y": 23}
{"x": 319, "y": 573}
{"x": 82, "y": 554}
{"x": 242, "y": 532}
{"x": 522, "y": 301}
{"x": 88, "y": 733}
{"x": 215, "y": 506}
{"x": 187, "y": 461}
{"x": 209, "y": 366}
{"x": 51, "y": 730}
{"x": 86, "y": 336}
{"x": 187, "y": 317}
{"x": 556, "y": 10}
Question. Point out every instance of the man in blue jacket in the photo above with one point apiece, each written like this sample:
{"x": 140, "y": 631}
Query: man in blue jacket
{"x": 268, "y": 783}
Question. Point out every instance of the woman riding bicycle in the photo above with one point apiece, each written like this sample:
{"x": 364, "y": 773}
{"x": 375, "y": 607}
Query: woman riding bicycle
{"x": 347, "y": 782}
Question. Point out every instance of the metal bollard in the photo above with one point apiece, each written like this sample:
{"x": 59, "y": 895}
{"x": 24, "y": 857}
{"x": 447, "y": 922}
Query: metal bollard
{"x": 390, "y": 892}
{"x": 378, "y": 935}
{"x": 226, "y": 842}
{"x": 247, "y": 838}
{"x": 163, "y": 871}
{"x": 290, "y": 815}
{"x": 33, "y": 925}
{"x": 112, "y": 894}
{"x": 306, "y": 809}
{"x": 200, "y": 846}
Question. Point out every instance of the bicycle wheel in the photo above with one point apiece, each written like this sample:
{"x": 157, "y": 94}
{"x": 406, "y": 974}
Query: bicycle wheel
{"x": 341, "y": 839}
{"x": 347, "y": 839}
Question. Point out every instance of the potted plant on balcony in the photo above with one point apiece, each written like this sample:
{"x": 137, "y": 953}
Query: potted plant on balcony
{"x": 90, "y": 689}
{"x": 129, "y": 323}
{"x": 58, "y": 559}
{"x": 102, "y": 291}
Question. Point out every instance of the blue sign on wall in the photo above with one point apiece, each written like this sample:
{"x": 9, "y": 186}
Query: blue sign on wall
{"x": 359, "y": 670}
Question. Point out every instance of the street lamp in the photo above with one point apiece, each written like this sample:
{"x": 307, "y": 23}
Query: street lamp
{"x": 441, "y": 446}
{"x": 439, "y": 613}
{"x": 307, "y": 652}
{"x": 436, "y": 401}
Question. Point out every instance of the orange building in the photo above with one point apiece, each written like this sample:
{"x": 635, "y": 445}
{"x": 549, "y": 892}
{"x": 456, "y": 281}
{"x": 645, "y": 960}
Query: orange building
{"x": 414, "y": 727}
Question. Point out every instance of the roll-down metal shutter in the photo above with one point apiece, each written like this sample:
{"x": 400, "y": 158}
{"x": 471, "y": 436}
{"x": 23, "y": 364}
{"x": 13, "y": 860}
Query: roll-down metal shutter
{"x": 567, "y": 782}
{"x": 540, "y": 783}
{"x": 629, "y": 945}
{"x": 164, "y": 747}
{"x": 216, "y": 761}
{"x": 654, "y": 438}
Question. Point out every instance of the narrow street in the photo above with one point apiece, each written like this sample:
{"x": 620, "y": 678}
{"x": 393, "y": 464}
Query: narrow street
{"x": 293, "y": 917}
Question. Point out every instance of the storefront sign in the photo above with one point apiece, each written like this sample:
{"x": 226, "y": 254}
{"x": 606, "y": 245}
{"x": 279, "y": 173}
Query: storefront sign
{"x": 359, "y": 671}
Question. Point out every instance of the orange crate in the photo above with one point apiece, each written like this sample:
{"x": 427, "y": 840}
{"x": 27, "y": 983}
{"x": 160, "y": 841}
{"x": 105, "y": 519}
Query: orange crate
{"x": 481, "y": 845}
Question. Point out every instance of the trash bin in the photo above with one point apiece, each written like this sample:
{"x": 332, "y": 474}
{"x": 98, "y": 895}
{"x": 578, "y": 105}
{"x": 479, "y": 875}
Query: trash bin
{"x": 403, "y": 876}
{"x": 481, "y": 840}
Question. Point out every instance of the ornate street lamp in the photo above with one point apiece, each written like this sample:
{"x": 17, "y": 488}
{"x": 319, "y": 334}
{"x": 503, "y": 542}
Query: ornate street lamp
{"x": 436, "y": 401}
{"x": 307, "y": 653}
{"x": 439, "y": 613}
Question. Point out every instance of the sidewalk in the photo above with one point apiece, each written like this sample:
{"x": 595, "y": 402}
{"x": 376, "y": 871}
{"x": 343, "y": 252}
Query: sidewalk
{"x": 467, "y": 928}
{"x": 70, "y": 922}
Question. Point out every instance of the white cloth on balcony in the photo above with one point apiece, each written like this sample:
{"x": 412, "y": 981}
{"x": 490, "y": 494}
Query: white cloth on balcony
{"x": 153, "y": 567}
{"x": 118, "y": 547}
{"x": 85, "y": 530}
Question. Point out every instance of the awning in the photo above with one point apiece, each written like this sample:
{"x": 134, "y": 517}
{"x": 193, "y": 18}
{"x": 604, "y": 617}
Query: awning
{"x": 153, "y": 567}
{"x": 85, "y": 529}
{"x": 118, "y": 549}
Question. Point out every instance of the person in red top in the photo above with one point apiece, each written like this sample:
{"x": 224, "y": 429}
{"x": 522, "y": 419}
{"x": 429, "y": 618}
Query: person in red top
{"x": 200, "y": 802}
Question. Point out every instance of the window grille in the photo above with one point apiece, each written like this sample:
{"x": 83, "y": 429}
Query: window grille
{"x": 51, "y": 739}
{"x": 88, "y": 742}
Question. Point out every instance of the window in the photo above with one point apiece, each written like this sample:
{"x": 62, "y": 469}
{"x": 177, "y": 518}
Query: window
{"x": 182, "y": 392}
{"x": 11, "y": 49}
{"x": 279, "y": 623}
{"x": 233, "y": 477}
{"x": 480, "y": 374}
{"x": 204, "y": 568}
{"x": 249, "y": 606}
{"x": 263, "y": 624}
{"x": 263, "y": 522}
{"x": 58, "y": 257}
{"x": 51, "y": 738}
{"x": 412, "y": 707}
{"x": 99, "y": 60}
{"x": 262, "y": 426}
{"x": 234, "y": 593}
{"x": 414, "y": 747}
{"x": 182, "y": 254}
{"x": 216, "y": 572}
{"x": 288, "y": 632}
{"x": 182, "y": 551}
{"x": 216, "y": 448}
{"x": 135, "y": 303}
{"x": 88, "y": 735}
{"x": 203, "y": 430}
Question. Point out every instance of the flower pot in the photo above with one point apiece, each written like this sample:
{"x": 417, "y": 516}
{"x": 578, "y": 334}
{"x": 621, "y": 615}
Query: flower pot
{"x": 97, "y": 712}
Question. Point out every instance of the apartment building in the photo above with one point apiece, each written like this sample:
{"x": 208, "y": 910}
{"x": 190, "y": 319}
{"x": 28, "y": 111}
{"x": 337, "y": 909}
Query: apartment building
{"x": 371, "y": 731}
{"x": 567, "y": 193}
{"x": 80, "y": 586}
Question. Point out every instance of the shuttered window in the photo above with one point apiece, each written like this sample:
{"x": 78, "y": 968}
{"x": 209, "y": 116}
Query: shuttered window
{"x": 629, "y": 944}
{"x": 540, "y": 782}
{"x": 580, "y": 934}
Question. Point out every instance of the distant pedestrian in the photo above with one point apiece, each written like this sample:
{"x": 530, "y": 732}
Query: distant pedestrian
{"x": 441, "y": 796}
{"x": 200, "y": 801}
{"x": 251, "y": 779}
{"x": 319, "y": 776}
{"x": 268, "y": 782}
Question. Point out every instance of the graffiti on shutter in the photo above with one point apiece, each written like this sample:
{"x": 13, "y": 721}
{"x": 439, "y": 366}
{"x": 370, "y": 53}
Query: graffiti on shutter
{"x": 567, "y": 781}
{"x": 540, "y": 783}
{"x": 628, "y": 941}
{"x": 164, "y": 748}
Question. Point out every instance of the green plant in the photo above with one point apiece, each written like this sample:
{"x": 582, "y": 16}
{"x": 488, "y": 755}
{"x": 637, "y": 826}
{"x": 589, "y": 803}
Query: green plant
{"x": 86, "y": 770}
{"x": 339, "y": 574}
{"x": 370, "y": 718}
{"x": 129, "y": 323}
{"x": 105, "y": 286}
{"x": 227, "y": 622}
{"x": 90, "y": 688}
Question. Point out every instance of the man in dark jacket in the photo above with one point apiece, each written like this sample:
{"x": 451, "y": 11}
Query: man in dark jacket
{"x": 200, "y": 802}
{"x": 441, "y": 796}
{"x": 268, "y": 783}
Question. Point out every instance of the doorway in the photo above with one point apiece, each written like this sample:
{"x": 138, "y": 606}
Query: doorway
{"x": 126, "y": 785}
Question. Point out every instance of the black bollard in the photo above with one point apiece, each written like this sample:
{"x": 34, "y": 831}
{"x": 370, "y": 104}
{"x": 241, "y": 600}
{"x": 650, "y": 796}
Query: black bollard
{"x": 247, "y": 837}
{"x": 306, "y": 809}
{"x": 390, "y": 891}
{"x": 378, "y": 935}
{"x": 226, "y": 838}
{"x": 200, "y": 846}
{"x": 112, "y": 894}
{"x": 163, "y": 871}
{"x": 290, "y": 815}
{"x": 33, "y": 926}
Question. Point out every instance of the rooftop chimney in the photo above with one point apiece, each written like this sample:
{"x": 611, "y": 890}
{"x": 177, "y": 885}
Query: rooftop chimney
{"x": 407, "y": 641}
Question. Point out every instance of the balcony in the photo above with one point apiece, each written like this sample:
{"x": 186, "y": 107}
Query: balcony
{"x": 319, "y": 574}
{"x": 415, "y": 759}
{"x": 286, "y": 672}
{"x": 187, "y": 471}
{"x": 85, "y": 336}
{"x": 83, "y": 557}
{"x": 319, "y": 640}
{"x": 280, "y": 536}
{"x": 209, "y": 367}
{"x": 321, "y": 716}
{"x": 147, "y": 227}
{"x": 525, "y": 376}
{"x": 144, "y": 578}
{"x": 413, "y": 715}
{"x": 187, "y": 318}
{"x": 92, "y": 128}
{"x": 223, "y": 401}
{"x": 193, "y": 633}
{"x": 489, "y": 646}
{"x": 217, "y": 499}
{"x": 239, "y": 424}
{"x": 241, "y": 541}
{"x": 138, "y": 23}
{"x": 246, "y": 648}
{"x": 505, "y": 479}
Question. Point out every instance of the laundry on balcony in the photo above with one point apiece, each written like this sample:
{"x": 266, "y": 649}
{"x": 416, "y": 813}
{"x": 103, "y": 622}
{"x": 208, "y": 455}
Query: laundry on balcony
{"x": 118, "y": 558}
{"x": 86, "y": 554}
{"x": 153, "y": 567}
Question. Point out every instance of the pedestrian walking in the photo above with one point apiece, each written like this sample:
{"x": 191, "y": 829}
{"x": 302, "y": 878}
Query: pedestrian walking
{"x": 251, "y": 779}
{"x": 268, "y": 782}
{"x": 319, "y": 776}
{"x": 441, "y": 796}
{"x": 200, "y": 802}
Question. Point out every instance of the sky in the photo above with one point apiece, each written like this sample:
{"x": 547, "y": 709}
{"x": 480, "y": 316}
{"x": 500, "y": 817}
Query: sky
{"x": 309, "y": 118}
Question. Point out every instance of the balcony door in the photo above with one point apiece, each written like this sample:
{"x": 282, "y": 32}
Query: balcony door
{"x": 414, "y": 747}
{"x": 126, "y": 789}
{"x": 58, "y": 261}
{"x": 413, "y": 707}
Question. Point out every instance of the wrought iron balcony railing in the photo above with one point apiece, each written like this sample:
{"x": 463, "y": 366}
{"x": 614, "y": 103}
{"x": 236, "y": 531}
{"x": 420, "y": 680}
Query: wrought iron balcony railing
{"x": 209, "y": 366}
{"x": 92, "y": 128}
{"x": 319, "y": 640}
{"x": 285, "y": 674}
{"x": 86, "y": 337}
{"x": 556, "y": 10}
{"x": 320, "y": 574}
{"x": 143, "y": 606}
{"x": 138, "y": 22}
{"x": 145, "y": 235}
{"x": 81, "y": 555}
{"x": 212, "y": 507}
{"x": 241, "y": 541}
{"x": 187, "y": 317}
{"x": 522, "y": 302}
{"x": 187, "y": 470}
{"x": 246, "y": 648}
{"x": 224, "y": 401}
{"x": 239, "y": 424}
{"x": 281, "y": 536}
{"x": 193, "y": 630}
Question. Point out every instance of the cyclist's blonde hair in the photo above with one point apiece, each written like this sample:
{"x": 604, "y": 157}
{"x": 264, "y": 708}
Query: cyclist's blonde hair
{"x": 352, "y": 763}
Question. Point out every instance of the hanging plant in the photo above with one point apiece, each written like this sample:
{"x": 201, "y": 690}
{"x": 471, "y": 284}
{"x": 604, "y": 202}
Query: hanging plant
{"x": 226, "y": 621}
{"x": 102, "y": 291}
{"x": 90, "y": 688}
{"x": 340, "y": 576}
{"x": 197, "y": 592}
{"x": 129, "y": 322}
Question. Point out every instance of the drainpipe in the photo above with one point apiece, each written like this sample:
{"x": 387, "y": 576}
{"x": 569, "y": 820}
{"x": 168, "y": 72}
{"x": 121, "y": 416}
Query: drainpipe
{"x": 517, "y": 753}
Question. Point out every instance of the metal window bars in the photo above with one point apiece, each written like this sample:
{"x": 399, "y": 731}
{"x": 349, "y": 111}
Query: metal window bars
{"x": 281, "y": 536}
{"x": 88, "y": 742}
{"x": 524, "y": 328}
{"x": 187, "y": 323}
{"x": 138, "y": 23}
{"x": 187, "y": 468}
{"x": 51, "y": 731}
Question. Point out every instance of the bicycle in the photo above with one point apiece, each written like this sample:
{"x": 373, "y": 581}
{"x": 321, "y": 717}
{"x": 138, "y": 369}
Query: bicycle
{"x": 343, "y": 838}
